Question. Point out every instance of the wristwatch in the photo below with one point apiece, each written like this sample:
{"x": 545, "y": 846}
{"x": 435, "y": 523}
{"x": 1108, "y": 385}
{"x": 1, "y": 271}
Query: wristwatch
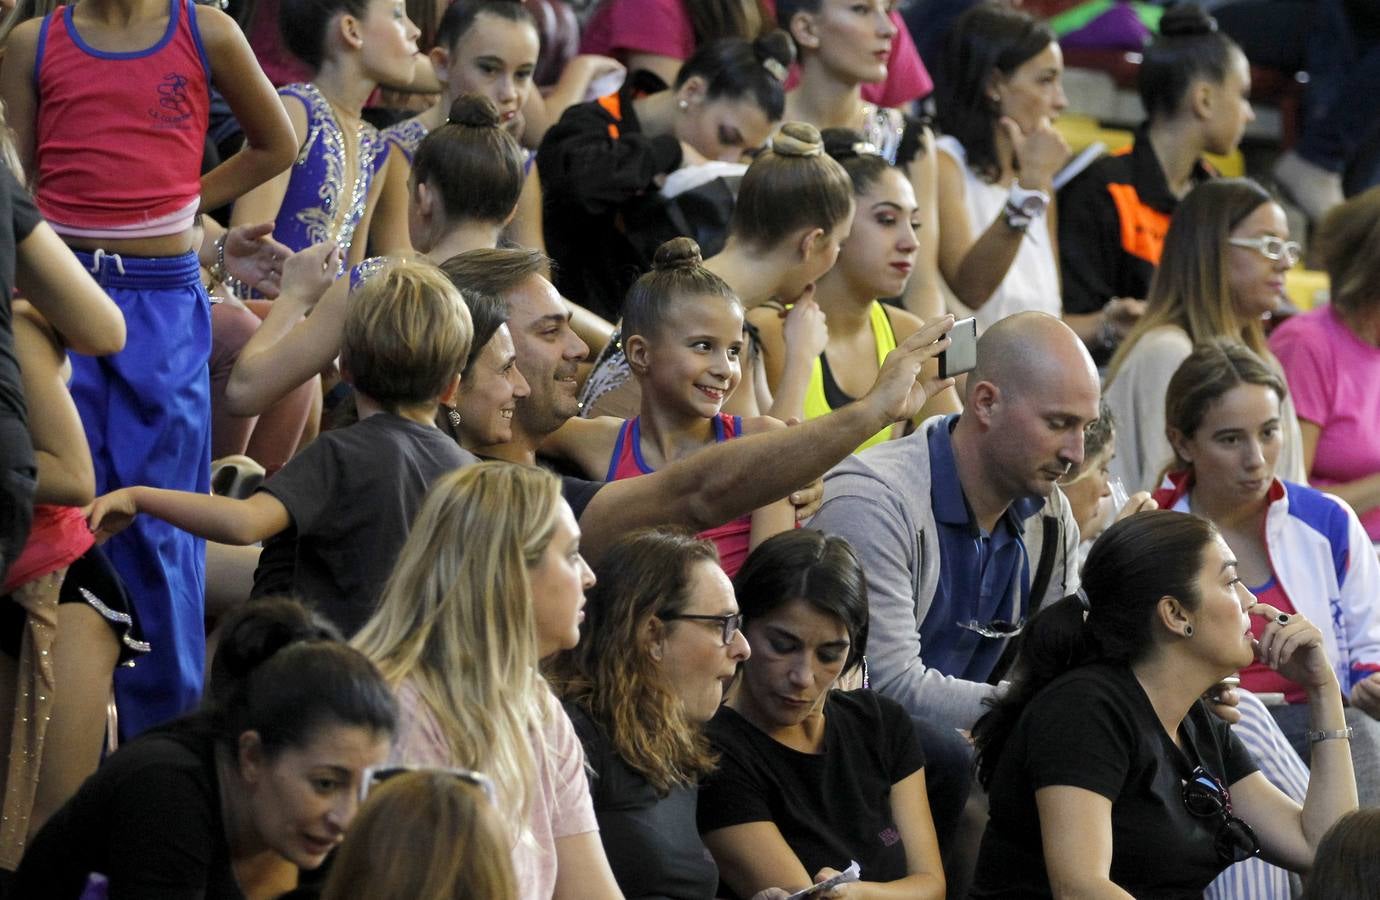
{"x": 1023, "y": 205}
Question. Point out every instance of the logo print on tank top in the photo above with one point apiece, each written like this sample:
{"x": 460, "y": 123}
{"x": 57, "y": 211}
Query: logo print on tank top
{"x": 174, "y": 107}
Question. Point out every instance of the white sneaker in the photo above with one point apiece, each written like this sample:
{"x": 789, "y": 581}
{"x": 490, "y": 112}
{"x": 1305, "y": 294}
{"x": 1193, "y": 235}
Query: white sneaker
{"x": 1311, "y": 187}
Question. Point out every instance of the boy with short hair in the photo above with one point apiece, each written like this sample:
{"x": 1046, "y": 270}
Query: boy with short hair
{"x": 351, "y": 495}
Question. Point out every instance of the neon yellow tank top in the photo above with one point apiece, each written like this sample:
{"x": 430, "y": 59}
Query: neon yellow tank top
{"x": 816, "y": 398}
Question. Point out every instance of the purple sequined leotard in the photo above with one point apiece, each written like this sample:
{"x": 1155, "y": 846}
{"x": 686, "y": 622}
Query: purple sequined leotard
{"x": 319, "y": 187}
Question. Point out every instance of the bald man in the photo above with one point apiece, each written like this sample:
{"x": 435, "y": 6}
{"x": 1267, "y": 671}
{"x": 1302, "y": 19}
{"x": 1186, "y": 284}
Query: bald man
{"x": 960, "y": 526}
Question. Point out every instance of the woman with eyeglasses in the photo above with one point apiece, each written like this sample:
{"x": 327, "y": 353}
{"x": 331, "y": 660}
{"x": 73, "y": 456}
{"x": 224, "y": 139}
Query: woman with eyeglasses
{"x": 1298, "y": 549}
{"x": 660, "y": 644}
{"x": 1106, "y": 773}
{"x": 1331, "y": 357}
{"x": 238, "y": 798}
{"x": 489, "y": 583}
{"x": 424, "y": 833}
{"x": 811, "y": 779}
{"x": 1221, "y": 275}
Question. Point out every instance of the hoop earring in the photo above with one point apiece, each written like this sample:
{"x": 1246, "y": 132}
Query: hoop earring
{"x": 1188, "y": 631}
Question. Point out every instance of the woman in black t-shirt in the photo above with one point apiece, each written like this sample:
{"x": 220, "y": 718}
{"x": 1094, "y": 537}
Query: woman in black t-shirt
{"x": 811, "y": 779}
{"x": 659, "y": 644}
{"x": 234, "y": 799}
{"x": 1106, "y": 773}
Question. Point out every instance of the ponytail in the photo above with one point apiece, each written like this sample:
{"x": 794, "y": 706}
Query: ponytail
{"x": 1132, "y": 566}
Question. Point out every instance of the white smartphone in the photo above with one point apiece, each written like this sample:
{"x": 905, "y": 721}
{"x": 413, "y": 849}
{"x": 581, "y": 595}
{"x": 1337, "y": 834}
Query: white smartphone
{"x": 961, "y": 354}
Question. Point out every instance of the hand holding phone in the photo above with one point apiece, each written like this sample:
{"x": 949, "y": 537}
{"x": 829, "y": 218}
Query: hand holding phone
{"x": 847, "y": 876}
{"x": 961, "y": 354}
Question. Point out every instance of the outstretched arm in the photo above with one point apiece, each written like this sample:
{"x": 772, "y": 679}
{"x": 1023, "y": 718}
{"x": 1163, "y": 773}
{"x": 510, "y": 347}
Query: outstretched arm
{"x": 729, "y": 480}
{"x": 221, "y": 519}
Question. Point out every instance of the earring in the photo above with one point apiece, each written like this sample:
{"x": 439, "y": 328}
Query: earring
{"x": 1188, "y": 631}
{"x": 682, "y": 104}
{"x": 454, "y": 415}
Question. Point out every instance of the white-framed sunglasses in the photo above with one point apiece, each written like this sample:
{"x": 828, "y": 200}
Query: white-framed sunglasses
{"x": 1271, "y": 247}
{"x": 379, "y": 774}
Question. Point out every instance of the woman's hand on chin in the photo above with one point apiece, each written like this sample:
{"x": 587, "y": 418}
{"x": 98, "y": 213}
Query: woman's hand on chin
{"x": 1293, "y": 647}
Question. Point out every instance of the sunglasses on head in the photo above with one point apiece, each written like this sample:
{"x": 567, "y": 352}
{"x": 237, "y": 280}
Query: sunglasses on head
{"x": 1206, "y": 797}
{"x": 378, "y": 775}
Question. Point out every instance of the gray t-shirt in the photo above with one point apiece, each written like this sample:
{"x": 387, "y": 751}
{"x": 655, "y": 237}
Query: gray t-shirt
{"x": 352, "y": 495}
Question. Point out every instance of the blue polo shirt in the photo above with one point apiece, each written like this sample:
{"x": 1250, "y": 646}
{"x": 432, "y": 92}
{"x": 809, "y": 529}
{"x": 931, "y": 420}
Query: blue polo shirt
{"x": 977, "y": 570}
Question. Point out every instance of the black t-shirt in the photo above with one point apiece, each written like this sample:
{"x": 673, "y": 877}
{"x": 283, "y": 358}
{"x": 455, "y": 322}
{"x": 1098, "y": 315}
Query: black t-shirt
{"x": 1094, "y": 728}
{"x": 149, "y": 819}
{"x": 651, "y": 840}
{"x": 352, "y": 494}
{"x": 831, "y": 807}
{"x": 18, "y": 218}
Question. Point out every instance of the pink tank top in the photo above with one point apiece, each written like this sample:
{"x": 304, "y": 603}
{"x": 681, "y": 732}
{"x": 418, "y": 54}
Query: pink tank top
{"x": 733, "y": 538}
{"x": 120, "y": 136}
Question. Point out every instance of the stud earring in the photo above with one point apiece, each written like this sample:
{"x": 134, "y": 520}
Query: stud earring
{"x": 1188, "y": 631}
{"x": 682, "y": 104}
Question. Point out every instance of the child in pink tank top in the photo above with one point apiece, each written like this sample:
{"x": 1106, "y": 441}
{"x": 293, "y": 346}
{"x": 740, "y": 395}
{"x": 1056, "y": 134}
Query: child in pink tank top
{"x": 683, "y": 330}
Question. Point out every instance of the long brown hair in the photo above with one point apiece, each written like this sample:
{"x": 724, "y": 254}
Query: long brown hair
{"x": 424, "y": 834}
{"x": 1190, "y": 288}
{"x": 612, "y": 674}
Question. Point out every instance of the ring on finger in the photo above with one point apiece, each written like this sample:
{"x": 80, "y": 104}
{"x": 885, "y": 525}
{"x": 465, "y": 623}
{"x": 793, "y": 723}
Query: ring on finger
{"x": 1283, "y": 618}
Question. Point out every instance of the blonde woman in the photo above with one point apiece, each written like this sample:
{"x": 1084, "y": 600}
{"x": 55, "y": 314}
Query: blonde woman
{"x": 489, "y": 582}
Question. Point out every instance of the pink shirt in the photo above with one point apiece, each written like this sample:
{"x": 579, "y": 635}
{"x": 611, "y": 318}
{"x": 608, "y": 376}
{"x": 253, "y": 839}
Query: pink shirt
{"x": 1334, "y": 378}
{"x": 621, "y": 27}
{"x": 561, "y": 806}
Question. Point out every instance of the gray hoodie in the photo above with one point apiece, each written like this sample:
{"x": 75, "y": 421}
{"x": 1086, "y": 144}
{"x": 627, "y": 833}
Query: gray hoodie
{"x": 879, "y": 500}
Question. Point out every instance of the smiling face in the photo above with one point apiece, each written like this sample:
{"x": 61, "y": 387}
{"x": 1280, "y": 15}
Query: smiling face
{"x": 697, "y": 664}
{"x": 301, "y": 800}
{"x": 489, "y": 393}
{"x": 798, "y": 654}
{"x": 1035, "y": 90}
{"x": 388, "y": 42}
{"x": 1257, "y": 283}
{"x": 691, "y": 365}
{"x": 496, "y": 58}
{"x": 879, "y": 255}
{"x": 548, "y": 355}
{"x": 722, "y": 128}
{"x": 1221, "y": 627}
{"x": 852, "y": 38}
{"x": 559, "y": 581}
{"x": 1236, "y": 447}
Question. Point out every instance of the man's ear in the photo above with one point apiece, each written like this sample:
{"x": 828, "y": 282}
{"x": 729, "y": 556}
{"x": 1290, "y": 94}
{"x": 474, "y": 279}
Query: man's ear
{"x": 803, "y": 31}
{"x": 638, "y": 353}
{"x": 983, "y": 399}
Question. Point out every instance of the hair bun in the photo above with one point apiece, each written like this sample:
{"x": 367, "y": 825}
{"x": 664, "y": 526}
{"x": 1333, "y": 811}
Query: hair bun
{"x": 473, "y": 111}
{"x": 677, "y": 253}
{"x": 845, "y": 143}
{"x": 255, "y": 633}
{"x": 1186, "y": 20}
{"x": 797, "y": 139}
{"x": 776, "y": 51}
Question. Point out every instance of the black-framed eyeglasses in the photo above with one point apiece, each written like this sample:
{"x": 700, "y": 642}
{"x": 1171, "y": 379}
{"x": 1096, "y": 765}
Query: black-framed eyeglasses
{"x": 1271, "y": 247}
{"x": 997, "y": 628}
{"x": 1206, "y": 797}
{"x": 379, "y": 774}
{"x": 731, "y": 624}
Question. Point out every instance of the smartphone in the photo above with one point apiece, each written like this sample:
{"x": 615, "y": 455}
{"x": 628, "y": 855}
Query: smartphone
{"x": 848, "y": 875}
{"x": 961, "y": 354}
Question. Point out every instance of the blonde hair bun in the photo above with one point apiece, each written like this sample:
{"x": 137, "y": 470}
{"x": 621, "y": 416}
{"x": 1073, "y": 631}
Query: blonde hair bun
{"x": 799, "y": 139}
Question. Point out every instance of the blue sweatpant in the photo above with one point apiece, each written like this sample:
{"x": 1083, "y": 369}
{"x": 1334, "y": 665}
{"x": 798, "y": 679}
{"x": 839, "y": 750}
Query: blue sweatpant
{"x": 146, "y": 411}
